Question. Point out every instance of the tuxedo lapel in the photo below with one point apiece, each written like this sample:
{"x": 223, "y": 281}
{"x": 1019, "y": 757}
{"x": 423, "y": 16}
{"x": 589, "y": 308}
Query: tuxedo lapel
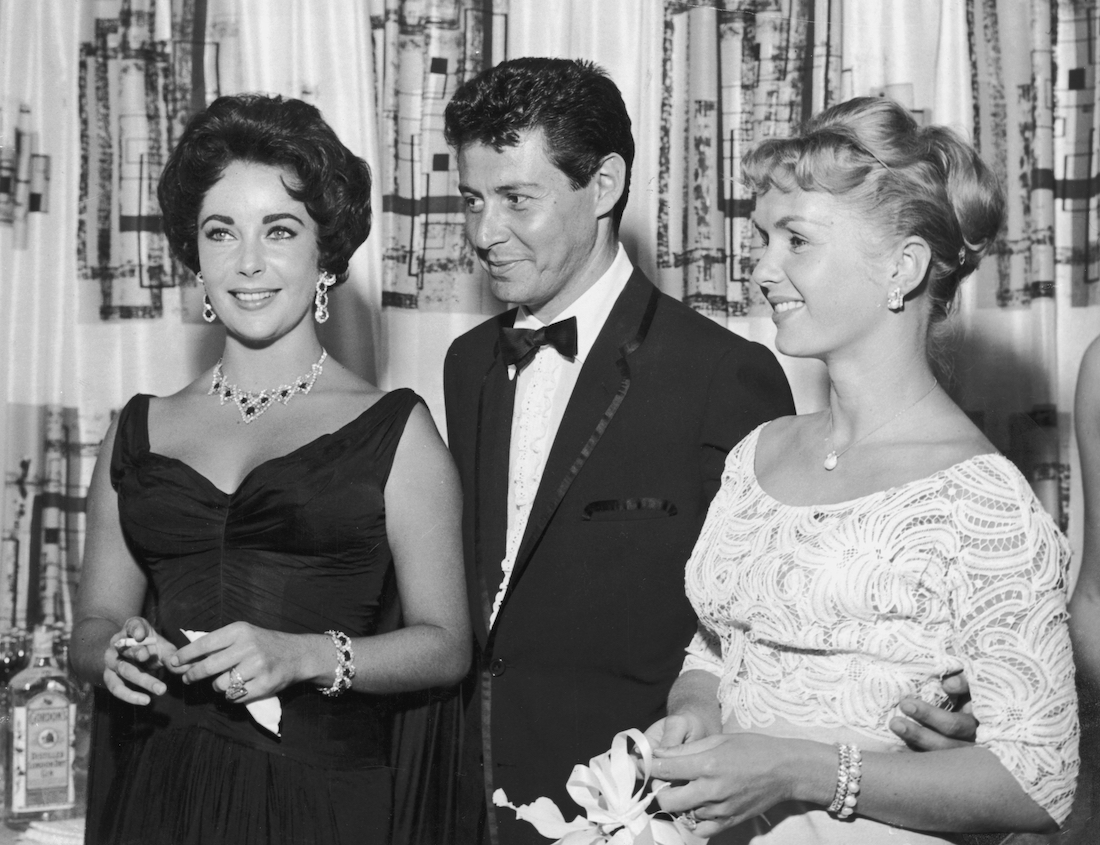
{"x": 602, "y": 385}
{"x": 494, "y": 429}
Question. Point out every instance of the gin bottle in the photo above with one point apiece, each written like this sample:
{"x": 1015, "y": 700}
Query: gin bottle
{"x": 41, "y": 724}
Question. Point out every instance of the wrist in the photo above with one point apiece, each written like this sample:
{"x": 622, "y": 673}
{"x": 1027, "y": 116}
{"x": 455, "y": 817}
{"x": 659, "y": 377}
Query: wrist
{"x": 317, "y": 661}
{"x": 811, "y": 773}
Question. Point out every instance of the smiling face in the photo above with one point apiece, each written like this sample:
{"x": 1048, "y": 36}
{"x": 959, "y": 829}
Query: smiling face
{"x": 258, "y": 252}
{"x": 822, "y": 273}
{"x": 542, "y": 242}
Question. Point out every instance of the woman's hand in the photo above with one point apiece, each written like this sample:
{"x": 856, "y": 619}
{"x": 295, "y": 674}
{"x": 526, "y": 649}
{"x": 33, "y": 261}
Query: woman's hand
{"x": 677, "y": 729}
{"x": 132, "y": 658}
{"x": 264, "y": 661}
{"x": 726, "y": 778}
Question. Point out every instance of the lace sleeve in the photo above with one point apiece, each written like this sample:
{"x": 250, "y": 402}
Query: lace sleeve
{"x": 704, "y": 652}
{"x": 1009, "y": 613}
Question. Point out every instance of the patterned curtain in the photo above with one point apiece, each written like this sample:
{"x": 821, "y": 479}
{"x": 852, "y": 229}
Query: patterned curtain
{"x": 91, "y": 97}
{"x": 432, "y": 289}
{"x": 133, "y": 98}
{"x": 1035, "y": 310}
{"x": 48, "y": 434}
{"x": 732, "y": 72}
{"x": 1019, "y": 78}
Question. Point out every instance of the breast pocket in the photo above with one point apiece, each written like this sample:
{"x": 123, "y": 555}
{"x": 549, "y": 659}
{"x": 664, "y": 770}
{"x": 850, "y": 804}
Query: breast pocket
{"x": 620, "y": 510}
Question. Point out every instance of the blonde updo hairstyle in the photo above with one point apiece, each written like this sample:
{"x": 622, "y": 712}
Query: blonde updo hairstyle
{"x": 903, "y": 178}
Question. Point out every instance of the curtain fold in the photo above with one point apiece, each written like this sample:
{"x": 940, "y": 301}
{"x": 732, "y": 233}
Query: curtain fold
{"x": 734, "y": 73}
{"x": 44, "y": 414}
{"x": 432, "y": 289}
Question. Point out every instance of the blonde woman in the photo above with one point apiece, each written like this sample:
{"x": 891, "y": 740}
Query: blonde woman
{"x": 858, "y": 555}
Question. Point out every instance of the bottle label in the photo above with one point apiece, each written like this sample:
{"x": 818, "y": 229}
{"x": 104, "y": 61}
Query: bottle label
{"x": 42, "y": 754}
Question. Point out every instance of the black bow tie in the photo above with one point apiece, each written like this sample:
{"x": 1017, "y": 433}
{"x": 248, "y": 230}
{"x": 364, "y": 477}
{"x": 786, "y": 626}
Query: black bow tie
{"x": 520, "y": 345}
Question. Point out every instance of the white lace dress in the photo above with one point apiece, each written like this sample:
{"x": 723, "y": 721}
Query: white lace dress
{"x": 819, "y": 619}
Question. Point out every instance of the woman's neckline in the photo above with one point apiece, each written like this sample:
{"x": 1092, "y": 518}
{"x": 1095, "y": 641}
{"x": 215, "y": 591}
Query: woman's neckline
{"x": 855, "y": 500}
{"x": 324, "y": 437}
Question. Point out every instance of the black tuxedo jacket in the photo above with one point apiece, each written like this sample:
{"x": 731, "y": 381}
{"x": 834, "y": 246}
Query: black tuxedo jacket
{"x": 592, "y": 630}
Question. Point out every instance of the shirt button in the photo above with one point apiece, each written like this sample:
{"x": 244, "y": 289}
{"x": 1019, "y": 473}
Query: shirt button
{"x": 497, "y": 667}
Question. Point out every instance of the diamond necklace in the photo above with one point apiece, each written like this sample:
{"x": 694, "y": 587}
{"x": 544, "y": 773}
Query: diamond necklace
{"x": 253, "y": 404}
{"x": 834, "y": 456}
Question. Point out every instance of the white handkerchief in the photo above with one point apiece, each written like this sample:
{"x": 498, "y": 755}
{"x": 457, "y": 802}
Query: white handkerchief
{"x": 267, "y": 712}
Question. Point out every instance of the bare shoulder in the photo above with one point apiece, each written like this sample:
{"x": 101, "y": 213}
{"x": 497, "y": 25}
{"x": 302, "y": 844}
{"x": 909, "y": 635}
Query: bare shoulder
{"x": 1087, "y": 400}
{"x": 933, "y": 442}
{"x": 1091, "y": 358}
{"x": 955, "y": 439}
{"x": 336, "y": 377}
{"x": 344, "y": 389}
{"x": 422, "y": 460}
{"x": 355, "y": 396}
{"x": 185, "y": 402}
{"x": 420, "y": 428}
{"x": 783, "y": 438}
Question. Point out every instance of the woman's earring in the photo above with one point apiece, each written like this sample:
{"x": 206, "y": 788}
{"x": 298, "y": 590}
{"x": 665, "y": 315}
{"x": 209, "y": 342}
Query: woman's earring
{"x": 320, "y": 301}
{"x": 207, "y": 309}
{"x": 895, "y": 301}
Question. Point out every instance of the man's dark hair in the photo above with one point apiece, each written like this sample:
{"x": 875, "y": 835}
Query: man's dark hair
{"x": 332, "y": 183}
{"x": 574, "y": 102}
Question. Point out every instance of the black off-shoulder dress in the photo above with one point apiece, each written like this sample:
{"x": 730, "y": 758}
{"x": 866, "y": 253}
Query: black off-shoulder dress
{"x": 299, "y": 547}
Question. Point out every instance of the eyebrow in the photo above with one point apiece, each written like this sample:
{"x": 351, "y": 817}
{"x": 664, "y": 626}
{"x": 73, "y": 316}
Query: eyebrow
{"x": 283, "y": 215}
{"x": 270, "y": 218}
{"x": 784, "y": 222}
{"x": 500, "y": 189}
{"x": 516, "y": 186}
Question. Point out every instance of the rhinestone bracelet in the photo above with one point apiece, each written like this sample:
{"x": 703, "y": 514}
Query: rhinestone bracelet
{"x": 849, "y": 770}
{"x": 345, "y": 669}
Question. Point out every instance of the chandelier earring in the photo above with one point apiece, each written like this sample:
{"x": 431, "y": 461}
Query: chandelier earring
{"x": 207, "y": 309}
{"x": 895, "y": 301}
{"x": 320, "y": 301}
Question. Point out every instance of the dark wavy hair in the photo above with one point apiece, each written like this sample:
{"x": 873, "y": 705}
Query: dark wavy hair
{"x": 574, "y": 102}
{"x": 910, "y": 179}
{"x": 332, "y": 183}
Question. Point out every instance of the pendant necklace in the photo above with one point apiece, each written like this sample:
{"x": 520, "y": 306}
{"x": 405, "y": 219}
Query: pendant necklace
{"x": 252, "y": 404}
{"x": 834, "y": 456}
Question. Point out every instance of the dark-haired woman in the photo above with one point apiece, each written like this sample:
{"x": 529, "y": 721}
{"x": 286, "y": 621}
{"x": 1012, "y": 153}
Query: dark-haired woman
{"x": 856, "y": 556}
{"x": 263, "y": 508}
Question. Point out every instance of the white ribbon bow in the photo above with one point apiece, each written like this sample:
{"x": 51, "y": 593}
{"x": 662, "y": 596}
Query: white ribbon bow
{"x": 615, "y": 805}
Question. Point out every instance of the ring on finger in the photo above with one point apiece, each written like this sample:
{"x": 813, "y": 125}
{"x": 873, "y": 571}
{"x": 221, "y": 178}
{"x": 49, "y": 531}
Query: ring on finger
{"x": 689, "y": 820}
{"x": 236, "y": 688}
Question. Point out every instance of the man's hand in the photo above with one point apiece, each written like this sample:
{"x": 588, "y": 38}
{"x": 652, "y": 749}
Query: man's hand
{"x": 929, "y": 728}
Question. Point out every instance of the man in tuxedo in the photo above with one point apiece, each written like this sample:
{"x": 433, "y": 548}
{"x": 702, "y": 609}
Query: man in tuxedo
{"x": 590, "y": 426}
